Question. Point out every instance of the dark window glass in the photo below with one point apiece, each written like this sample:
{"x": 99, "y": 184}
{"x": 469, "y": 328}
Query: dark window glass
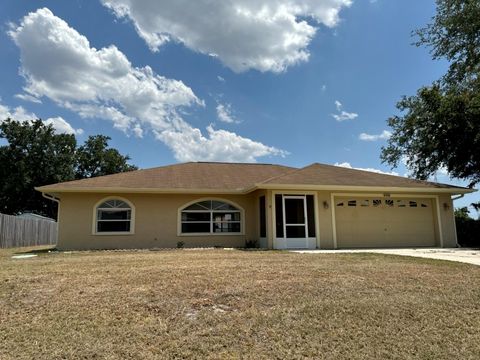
{"x": 311, "y": 216}
{"x": 196, "y": 227}
{"x": 219, "y": 227}
{"x": 113, "y": 215}
{"x": 200, "y": 216}
{"x": 226, "y": 216}
{"x": 263, "y": 217}
{"x": 210, "y": 215}
{"x": 279, "y": 215}
{"x": 294, "y": 211}
{"x": 296, "y": 231}
{"x": 113, "y": 226}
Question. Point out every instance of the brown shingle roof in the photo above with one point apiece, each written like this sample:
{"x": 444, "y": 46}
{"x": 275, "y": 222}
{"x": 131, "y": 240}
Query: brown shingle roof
{"x": 192, "y": 175}
{"x": 322, "y": 174}
{"x": 238, "y": 177}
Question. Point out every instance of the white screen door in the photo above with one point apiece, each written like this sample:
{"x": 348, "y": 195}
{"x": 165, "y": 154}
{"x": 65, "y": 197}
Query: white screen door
{"x": 295, "y": 217}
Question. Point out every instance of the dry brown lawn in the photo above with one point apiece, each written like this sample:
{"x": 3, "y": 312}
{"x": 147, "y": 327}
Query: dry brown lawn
{"x": 221, "y": 304}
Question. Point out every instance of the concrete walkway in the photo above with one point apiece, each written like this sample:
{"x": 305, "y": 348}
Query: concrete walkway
{"x": 465, "y": 255}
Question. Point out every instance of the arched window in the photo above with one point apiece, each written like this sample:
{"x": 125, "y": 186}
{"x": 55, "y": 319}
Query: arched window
{"x": 211, "y": 217}
{"x": 113, "y": 216}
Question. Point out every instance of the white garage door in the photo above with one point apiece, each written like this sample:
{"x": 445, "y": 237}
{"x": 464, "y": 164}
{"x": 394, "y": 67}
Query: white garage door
{"x": 384, "y": 222}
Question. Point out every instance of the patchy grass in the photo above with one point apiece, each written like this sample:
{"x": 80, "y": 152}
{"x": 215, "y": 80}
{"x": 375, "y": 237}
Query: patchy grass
{"x": 236, "y": 304}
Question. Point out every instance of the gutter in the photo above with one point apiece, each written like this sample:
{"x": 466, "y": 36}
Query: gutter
{"x": 50, "y": 197}
{"x": 383, "y": 189}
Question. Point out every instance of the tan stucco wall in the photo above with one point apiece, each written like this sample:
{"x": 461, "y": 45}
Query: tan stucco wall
{"x": 447, "y": 218}
{"x": 156, "y": 222}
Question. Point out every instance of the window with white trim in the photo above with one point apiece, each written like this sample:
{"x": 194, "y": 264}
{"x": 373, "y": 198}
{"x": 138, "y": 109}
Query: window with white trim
{"x": 210, "y": 217}
{"x": 113, "y": 216}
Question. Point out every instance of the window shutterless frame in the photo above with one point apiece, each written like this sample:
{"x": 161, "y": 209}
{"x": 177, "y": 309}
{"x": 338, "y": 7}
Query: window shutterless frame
{"x": 215, "y": 217}
{"x": 100, "y": 209}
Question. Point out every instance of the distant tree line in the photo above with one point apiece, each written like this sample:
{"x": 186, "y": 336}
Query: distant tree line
{"x": 35, "y": 155}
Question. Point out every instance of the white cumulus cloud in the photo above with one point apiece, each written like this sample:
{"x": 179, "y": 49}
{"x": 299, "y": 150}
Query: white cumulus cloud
{"x": 224, "y": 113}
{"x": 385, "y": 135}
{"x": 19, "y": 113}
{"x": 62, "y": 126}
{"x": 342, "y": 114}
{"x": 266, "y": 35}
{"x": 378, "y": 171}
{"x": 220, "y": 145}
{"x": 27, "y": 97}
{"x": 59, "y": 63}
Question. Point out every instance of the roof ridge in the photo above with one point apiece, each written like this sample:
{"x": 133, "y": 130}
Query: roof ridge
{"x": 233, "y": 163}
{"x": 278, "y": 176}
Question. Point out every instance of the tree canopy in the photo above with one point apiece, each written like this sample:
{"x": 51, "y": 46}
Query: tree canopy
{"x": 439, "y": 127}
{"x": 35, "y": 155}
{"x": 95, "y": 158}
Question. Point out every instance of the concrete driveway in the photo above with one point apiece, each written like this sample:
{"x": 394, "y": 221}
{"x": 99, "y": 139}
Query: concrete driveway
{"x": 465, "y": 255}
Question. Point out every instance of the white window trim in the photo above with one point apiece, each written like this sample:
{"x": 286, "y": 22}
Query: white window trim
{"x": 211, "y": 233}
{"x": 116, "y": 233}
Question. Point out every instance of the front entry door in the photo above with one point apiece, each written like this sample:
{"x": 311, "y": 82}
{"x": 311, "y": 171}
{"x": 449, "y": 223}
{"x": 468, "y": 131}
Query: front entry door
{"x": 295, "y": 217}
{"x": 294, "y": 222}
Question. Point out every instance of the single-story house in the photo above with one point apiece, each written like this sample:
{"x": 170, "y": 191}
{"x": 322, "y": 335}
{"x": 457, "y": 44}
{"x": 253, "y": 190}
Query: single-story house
{"x": 204, "y": 204}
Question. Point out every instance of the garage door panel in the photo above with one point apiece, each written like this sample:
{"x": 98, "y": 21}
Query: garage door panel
{"x": 391, "y": 222}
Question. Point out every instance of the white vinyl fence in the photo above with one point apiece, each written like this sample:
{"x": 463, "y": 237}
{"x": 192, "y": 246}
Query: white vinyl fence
{"x": 16, "y": 232}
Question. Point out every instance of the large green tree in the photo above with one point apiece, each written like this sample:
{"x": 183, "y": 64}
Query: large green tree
{"x": 96, "y": 158}
{"x": 439, "y": 127}
{"x": 34, "y": 155}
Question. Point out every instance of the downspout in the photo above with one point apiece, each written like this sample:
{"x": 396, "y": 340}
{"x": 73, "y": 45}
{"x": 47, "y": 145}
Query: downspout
{"x": 458, "y": 197}
{"x": 50, "y": 197}
{"x": 53, "y": 198}
{"x": 57, "y": 200}
{"x": 454, "y": 222}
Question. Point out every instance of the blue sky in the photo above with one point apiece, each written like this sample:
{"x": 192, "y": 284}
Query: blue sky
{"x": 277, "y": 81}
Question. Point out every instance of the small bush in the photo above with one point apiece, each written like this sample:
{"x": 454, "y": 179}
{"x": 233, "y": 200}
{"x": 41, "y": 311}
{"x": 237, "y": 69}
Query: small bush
{"x": 180, "y": 245}
{"x": 251, "y": 244}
